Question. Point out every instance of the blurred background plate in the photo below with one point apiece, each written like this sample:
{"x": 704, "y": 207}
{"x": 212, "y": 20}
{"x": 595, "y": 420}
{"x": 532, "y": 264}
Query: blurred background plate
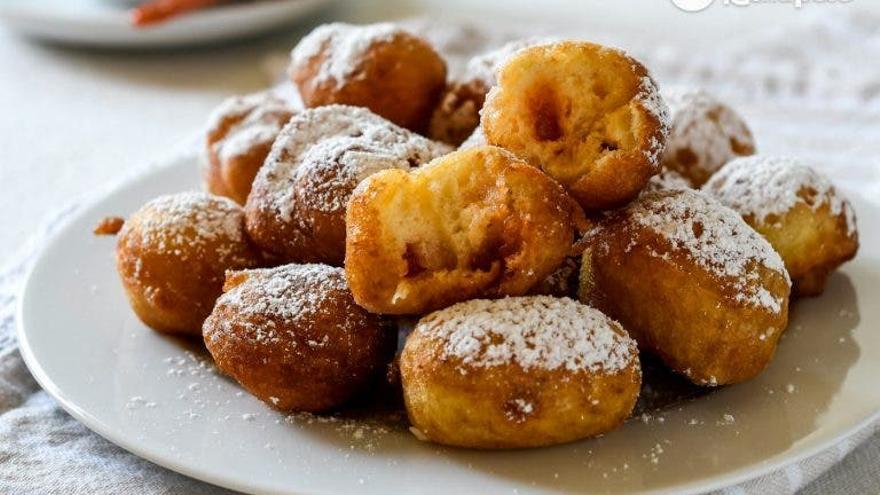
{"x": 107, "y": 24}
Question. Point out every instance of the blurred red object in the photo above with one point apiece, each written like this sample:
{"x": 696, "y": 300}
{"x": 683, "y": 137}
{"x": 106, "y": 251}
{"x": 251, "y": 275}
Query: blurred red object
{"x": 157, "y": 11}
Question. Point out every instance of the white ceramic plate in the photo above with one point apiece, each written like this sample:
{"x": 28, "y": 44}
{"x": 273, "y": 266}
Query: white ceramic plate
{"x": 106, "y": 23}
{"x": 152, "y": 396}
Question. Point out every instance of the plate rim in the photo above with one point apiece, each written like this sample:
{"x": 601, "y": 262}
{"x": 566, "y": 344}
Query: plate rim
{"x": 185, "y": 153}
{"x": 115, "y": 31}
{"x": 740, "y": 475}
{"x": 30, "y": 11}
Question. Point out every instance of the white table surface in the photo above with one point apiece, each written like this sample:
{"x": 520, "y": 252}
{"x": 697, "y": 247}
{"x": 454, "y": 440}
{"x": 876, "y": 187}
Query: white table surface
{"x": 72, "y": 120}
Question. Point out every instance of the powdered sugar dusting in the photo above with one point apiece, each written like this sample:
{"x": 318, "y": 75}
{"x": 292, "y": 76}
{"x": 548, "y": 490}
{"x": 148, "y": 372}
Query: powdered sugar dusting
{"x": 331, "y": 170}
{"x": 351, "y": 141}
{"x": 705, "y": 132}
{"x": 715, "y": 237}
{"x": 254, "y": 120}
{"x": 184, "y": 222}
{"x": 533, "y": 332}
{"x": 285, "y": 296}
{"x": 343, "y": 47}
{"x": 667, "y": 179}
{"x": 649, "y": 97}
{"x": 766, "y": 188}
{"x": 285, "y": 292}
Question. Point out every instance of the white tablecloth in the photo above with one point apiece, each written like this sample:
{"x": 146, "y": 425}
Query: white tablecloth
{"x": 75, "y": 120}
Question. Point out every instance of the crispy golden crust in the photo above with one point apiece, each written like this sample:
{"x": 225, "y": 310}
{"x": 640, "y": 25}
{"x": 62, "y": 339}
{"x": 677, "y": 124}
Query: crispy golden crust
{"x": 240, "y": 133}
{"x": 507, "y": 405}
{"x": 294, "y": 338}
{"x": 812, "y": 242}
{"x": 705, "y": 134}
{"x": 805, "y": 219}
{"x": 589, "y": 116}
{"x": 395, "y": 74}
{"x": 296, "y": 209}
{"x": 172, "y": 255}
{"x": 479, "y": 409}
{"x": 458, "y": 113}
{"x": 693, "y": 285}
{"x": 474, "y": 223}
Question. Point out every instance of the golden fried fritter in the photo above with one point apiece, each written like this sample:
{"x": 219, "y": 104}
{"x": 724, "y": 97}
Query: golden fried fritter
{"x": 590, "y": 116}
{"x": 474, "y": 223}
{"x": 172, "y": 255}
{"x": 378, "y": 66}
{"x": 240, "y": 133}
{"x": 691, "y": 282}
{"x": 797, "y": 209}
{"x": 518, "y": 372}
{"x": 293, "y": 337}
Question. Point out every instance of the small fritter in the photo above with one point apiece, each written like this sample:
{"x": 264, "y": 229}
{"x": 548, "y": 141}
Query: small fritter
{"x": 518, "y": 372}
{"x": 293, "y": 337}
{"x": 590, "y": 116}
{"x": 379, "y": 66}
{"x": 691, "y": 282}
{"x": 296, "y": 210}
{"x": 240, "y": 133}
{"x": 172, "y": 255}
{"x": 457, "y": 114}
{"x": 474, "y": 223}
{"x": 797, "y": 209}
{"x": 705, "y": 134}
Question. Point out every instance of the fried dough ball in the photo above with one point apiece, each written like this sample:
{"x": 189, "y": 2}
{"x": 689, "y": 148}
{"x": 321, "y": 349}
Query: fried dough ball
{"x": 705, "y": 135}
{"x": 590, "y": 116}
{"x": 294, "y": 338}
{"x": 518, "y": 372}
{"x": 691, "y": 282}
{"x": 797, "y": 209}
{"x": 474, "y": 223}
{"x": 172, "y": 255}
{"x": 296, "y": 210}
{"x": 240, "y": 133}
{"x": 378, "y": 66}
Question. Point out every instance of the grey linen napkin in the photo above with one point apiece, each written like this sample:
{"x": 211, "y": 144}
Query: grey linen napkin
{"x": 43, "y": 450}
